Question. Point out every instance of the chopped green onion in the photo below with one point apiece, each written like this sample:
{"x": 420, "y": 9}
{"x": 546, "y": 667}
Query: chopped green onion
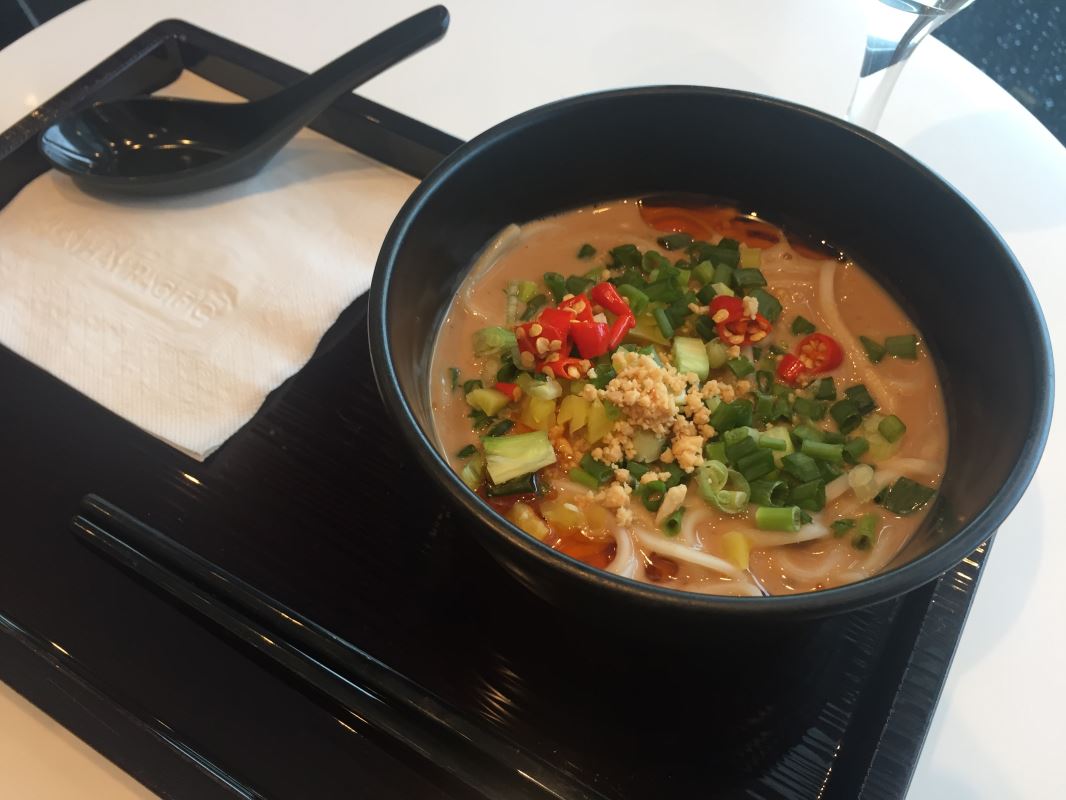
{"x": 809, "y": 496}
{"x": 772, "y": 443}
{"x": 453, "y": 377}
{"x": 860, "y": 396}
{"x": 802, "y": 433}
{"x": 705, "y": 328}
{"x": 597, "y": 469}
{"x": 826, "y": 389}
{"x": 740, "y": 366}
{"x": 723, "y": 289}
{"x": 906, "y": 496}
{"x": 865, "y": 532}
{"x": 651, "y": 494}
{"x": 731, "y": 415}
{"x": 507, "y": 372}
{"x": 846, "y": 415}
{"x": 905, "y": 346}
{"x": 535, "y": 304}
{"x": 492, "y": 340}
{"x": 764, "y": 381}
{"x": 768, "y": 492}
{"x": 604, "y": 375}
{"x": 785, "y": 519}
{"x": 714, "y": 451}
{"x": 526, "y": 291}
{"x": 833, "y": 437}
{"x": 675, "y": 241}
{"x": 636, "y": 469}
{"x": 579, "y": 475}
{"x": 829, "y": 471}
{"x": 466, "y": 452}
{"x": 833, "y": 453}
{"x": 511, "y": 314}
{"x": 500, "y": 428}
{"x": 661, "y": 320}
{"x": 663, "y": 291}
{"x": 841, "y": 526}
{"x": 576, "y": 284}
{"x": 480, "y": 419}
{"x": 769, "y": 306}
{"x": 638, "y": 301}
{"x": 586, "y": 251}
{"x": 473, "y": 473}
{"x": 631, "y": 277}
{"x": 703, "y": 272}
{"x": 812, "y": 409}
{"x": 739, "y": 447}
{"x": 854, "y": 448}
{"x": 653, "y": 260}
{"x": 723, "y": 274}
{"x": 801, "y": 326}
{"x": 672, "y": 524}
{"x": 782, "y": 409}
{"x": 706, "y": 294}
{"x": 874, "y": 351}
{"x": 764, "y": 408}
{"x": 748, "y": 279}
{"x": 625, "y": 255}
{"x": 892, "y": 428}
{"x": 524, "y": 484}
{"x": 801, "y": 467}
{"x": 471, "y": 385}
{"x": 556, "y": 285}
{"x": 725, "y": 489}
{"x": 756, "y": 465}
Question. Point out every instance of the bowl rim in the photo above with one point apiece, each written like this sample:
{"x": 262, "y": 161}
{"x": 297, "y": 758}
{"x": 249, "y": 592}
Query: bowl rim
{"x": 880, "y": 587}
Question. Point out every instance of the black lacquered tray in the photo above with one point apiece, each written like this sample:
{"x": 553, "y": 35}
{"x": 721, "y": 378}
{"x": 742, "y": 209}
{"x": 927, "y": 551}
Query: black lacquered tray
{"x": 317, "y": 503}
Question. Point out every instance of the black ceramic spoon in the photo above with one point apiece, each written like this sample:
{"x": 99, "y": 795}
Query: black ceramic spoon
{"x": 166, "y": 146}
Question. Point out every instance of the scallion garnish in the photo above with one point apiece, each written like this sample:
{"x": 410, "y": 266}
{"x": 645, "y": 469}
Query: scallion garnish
{"x": 535, "y": 304}
{"x": 874, "y": 351}
{"x": 846, "y": 415}
{"x": 853, "y": 448}
{"x": 651, "y": 494}
{"x": 833, "y": 453}
{"x": 466, "y": 452}
{"x": 665, "y": 328}
{"x": 597, "y": 469}
{"x": 740, "y": 366}
{"x": 865, "y": 532}
{"x": 769, "y": 492}
{"x": 749, "y": 279}
{"x": 906, "y": 496}
{"x": 586, "y": 251}
{"x": 860, "y": 396}
{"x": 675, "y": 241}
{"x": 556, "y": 284}
{"x": 801, "y": 467}
{"x": 672, "y": 524}
{"x": 625, "y": 255}
{"x": 786, "y": 519}
{"x": 905, "y": 346}
{"x": 576, "y": 284}
{"x": 579, "y": 475}
{"x": 769, "y": 306}
{"x": 453, "y": 377}
{"x": 500, "y": 428}
{"x": 638, "y": 301}
{"x": 809, "y": 496}
{"x": 801, "y": 326}
{"x": 826, "y": 389}
{"x": 756, "y": 465}
{"x": 811, "y": 409}
{"x": 892, "y": 428}
{"x": 470, "y": 385}
{"x": 523, "y": 484}
{"x": 841, "y": 526}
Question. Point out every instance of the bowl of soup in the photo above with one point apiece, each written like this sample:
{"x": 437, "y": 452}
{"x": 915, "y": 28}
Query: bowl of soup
{"x": 694, "y": 351}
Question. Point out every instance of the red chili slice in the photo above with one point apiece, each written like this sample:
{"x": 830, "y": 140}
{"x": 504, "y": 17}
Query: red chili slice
{"x": 733, "y": 327}
{"x": 790, "y": 369}
{"x": 569, "y": 368}
{"x": 820, "y": 353}
{"x": 619, "y": 328}
{"x": 604, "y": 294}
{"x": 579, "y": 306}
{"x": 590, "y": 338}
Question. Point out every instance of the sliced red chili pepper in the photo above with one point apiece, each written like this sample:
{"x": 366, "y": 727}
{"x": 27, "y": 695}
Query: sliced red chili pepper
{"x": 604, "y": 294}
{"x": 820, "y": 353}
{"x": 556, "y": 323}
{"x": 619, "y": 328}
{"x": 509, "y": 389}
{"x": 790, "y": 369}
{"x": 569, "y": 368}
{"x": 578, "y": 305}
{"x": 590, "y": 338}
{"x": 733, "y": 327}
{"x": 724, "y": 309}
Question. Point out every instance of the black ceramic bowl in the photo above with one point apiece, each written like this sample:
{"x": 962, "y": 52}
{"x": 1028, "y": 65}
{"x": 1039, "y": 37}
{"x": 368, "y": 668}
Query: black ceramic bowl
{"x": 932, "y": 250}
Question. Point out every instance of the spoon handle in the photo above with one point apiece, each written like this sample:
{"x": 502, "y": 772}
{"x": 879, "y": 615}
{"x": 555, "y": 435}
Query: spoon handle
{"x": 296, "y": 105}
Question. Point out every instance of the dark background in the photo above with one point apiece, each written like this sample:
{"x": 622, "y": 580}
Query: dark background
{"x": 1018, "y": 43}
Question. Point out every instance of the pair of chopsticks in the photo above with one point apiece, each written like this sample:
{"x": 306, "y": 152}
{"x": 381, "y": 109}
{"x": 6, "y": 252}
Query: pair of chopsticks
{"x": 391, "y": 704}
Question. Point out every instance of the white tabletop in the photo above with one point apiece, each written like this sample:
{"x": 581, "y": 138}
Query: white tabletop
{"x": 996, "y": 732}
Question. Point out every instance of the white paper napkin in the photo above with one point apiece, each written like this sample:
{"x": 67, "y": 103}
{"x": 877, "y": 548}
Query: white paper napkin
{"x": 182, "y": 314}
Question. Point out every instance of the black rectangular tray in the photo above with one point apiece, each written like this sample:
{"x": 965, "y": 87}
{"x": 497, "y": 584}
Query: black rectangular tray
{"x": 317, "y": 503}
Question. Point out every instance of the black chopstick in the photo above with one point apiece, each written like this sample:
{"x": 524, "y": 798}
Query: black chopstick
{"x": 75, "y": 672}
{"x": 389, "y": 702}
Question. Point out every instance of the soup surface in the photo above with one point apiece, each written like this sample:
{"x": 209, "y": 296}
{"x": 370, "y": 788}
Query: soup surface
{"x": 680, "y": 395}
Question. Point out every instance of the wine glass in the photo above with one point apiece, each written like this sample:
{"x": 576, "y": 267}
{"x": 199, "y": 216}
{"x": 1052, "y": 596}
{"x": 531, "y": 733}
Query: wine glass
{"x": 893, "y": 29}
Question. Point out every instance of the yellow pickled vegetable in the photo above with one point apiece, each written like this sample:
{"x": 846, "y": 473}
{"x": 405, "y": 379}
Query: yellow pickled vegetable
{"x": 574, "y": 410}
{"x": 526, "y": 518}
{"x": 565, "y": 515}
{"x": 537, "y": 413}
{"x": 736, "y": 548}
{"x": 599, "y": 518}
{"x": 600, "y": 421}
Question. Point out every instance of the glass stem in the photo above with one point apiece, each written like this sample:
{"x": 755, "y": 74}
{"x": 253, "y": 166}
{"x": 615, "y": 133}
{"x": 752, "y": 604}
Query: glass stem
{"x": 894, "y": 29}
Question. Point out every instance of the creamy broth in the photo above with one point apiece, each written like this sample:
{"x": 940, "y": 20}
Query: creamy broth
{"x": 835, "y": 295}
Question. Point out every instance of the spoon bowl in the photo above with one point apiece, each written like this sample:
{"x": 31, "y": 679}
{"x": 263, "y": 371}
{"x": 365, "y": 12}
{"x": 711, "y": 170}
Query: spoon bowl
{"x": 166, "y": 146}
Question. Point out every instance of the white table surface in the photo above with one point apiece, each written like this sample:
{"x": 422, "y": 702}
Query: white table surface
{"x": 996, "y": 732}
